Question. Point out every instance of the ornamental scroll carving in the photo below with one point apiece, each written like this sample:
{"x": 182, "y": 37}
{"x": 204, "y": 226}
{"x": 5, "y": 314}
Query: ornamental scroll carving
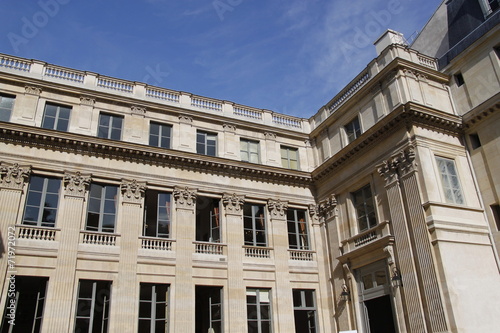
{"x": 13, "y": 176}
{"x": 132, "y": 191}
{"x": 233, "y": 203}
{"x": 328, "y": 208}
{"x": 86, "y": 100}
{"x": 277, "y": 208}
{"x": 76, "y": 184}
{"x": 185, "y": 197}
{"x": 33, "y": 90}
{"x": 399, "y": 165}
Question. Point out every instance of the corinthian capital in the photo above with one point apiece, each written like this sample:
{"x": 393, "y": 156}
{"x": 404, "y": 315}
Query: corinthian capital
{"x": 185, "y": 197}
{"x": 328, "y": 207}
{"x": 132, "y": 191}
{"x": 13, "y": 176}
{"x": 76, "y": 184}
{"x": 277, "y": 208}
{"x": 233, "y": 203}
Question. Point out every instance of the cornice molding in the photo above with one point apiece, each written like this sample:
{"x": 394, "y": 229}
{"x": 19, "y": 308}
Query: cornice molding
{"x": 120, "y": 150}
{"x": 404, "y": 116}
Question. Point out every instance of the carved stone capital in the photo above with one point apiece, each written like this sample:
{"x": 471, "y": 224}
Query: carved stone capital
{"x": 233, "y": 203}
{"x": 132, "y": 191}
{"x": 13, "y": 176}
{"x": 270, "y": 136}
{"x": 407, "y": 162}
{"x": 138, "y": 110}
{"x": 328, "y": 208}
{"x": 229, "y": 127}
{"x": 86, "y": 100}
{"x": 388, "y": 170}
{"x": 185, "y": 119}
{"x": 314, "y": 213}
{"x": 76, "y": 184}
{"x": 185, "y": 197}
{"x": 277, "y": 208}
{"x": 33, "y": 90}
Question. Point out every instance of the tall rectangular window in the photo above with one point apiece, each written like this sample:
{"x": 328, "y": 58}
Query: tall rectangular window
{"x": 297, "y": 229}
{"x": 28, "y": 298}
{"x": 159, "y": 135}
{"x": 450, "y": 181}
{"x": 56, "y": 117}
{"x": 92, "y": 308}
{"x": 206, "y": 143}
{"x": 304, "y": 310}
{"x": 153, "y": 308}
{"x": 289, "y": 158}
{"x": 157, "y": 214}
{"x": 208, "y": 309}
{"x": 110, "y": 126}
{"x": 101, "y": 212}
{"x": 208, "y": 219}
{"x": 259, "y": 315}
{"x": 362, "y": 200}
{"x": 42, "y": 201}
{"x": 6, "y": 105}
{"x": 249, "y": 151}
{"x": 254, "y": 225}
{"x": 353, "y": 130}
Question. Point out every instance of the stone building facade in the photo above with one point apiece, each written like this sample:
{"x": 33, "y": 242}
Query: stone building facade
{"x": 133, "y": 208}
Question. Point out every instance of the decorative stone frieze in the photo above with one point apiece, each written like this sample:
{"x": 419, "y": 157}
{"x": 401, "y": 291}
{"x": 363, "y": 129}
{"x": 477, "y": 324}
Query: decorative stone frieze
{"x": 277, "y": 208}
{"x": 132, "y": 191}
{"x": 76, "y": 184}
{"x": 328, "y": 208}
{"x": 233, "y": 203}
{"x": 185, "y": 197}
{"x": 86, "y": 100}
{"x": 33, "y": 90}
{"x": 13, "y": 176}
{"x": 313, "y": 212}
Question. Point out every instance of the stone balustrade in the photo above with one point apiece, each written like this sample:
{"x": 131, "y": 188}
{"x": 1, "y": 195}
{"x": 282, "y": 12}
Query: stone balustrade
{"x": 36, "y": 233}
{"x": 160, "y": 244}
{"x": 97, "y": 238}
{"x": 257, "y": 252}
{"x": 209, "y": 248}
{"x": 301, "y": 255}
{"x": 141, "y": 91}
{"x": 366, "y": 237}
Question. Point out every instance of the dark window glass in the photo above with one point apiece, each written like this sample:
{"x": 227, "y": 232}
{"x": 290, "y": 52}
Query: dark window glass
{"x": 206, "y": 143}
{"x": 254, "y": 225}
{"x": 363, "y": 205}
{"x": 157, "y": 214}
{"x": 42, "y": 201}
{"x": 110, "y": 126}
{"x": 353, "y": 130}
{"x": 159, "y": 135}
{"x": 56, "y": 117}
{"x": 297, "y": 229}
{"x": 101, "y": 210}
{"x": 6, "y": 106}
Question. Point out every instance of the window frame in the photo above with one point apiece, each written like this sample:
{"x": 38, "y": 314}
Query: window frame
{"x": 32, "y": 193}
{"x": 102, "y": 207}
{"x": 59, "y": 108}
{"x": 446, "y": 184}
{"x": 7, "y": 110}
{"x": 156, "y": 216}
{"x": 303, "y": 307}
{"x": 253, "y": 230}
{"x": 110, "y": 126}
{"x": 366, "y": 212}
{"x": 214, "y": 219}
{"x": 160, "y": 136}
{"x": 286, "y": 161}
{"x": 248, "y": 151}
{"x": 105, "y": 306}
{"x": 205, "y": 144}
{"x": 355, "y": 132}
{"x": 300, "y": 235}
{"x": 259, "y": 309}
{"x": 154, "y": 303}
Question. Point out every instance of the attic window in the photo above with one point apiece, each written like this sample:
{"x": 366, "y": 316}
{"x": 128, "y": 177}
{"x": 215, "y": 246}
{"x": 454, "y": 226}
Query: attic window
{"x": 459, "y": 79}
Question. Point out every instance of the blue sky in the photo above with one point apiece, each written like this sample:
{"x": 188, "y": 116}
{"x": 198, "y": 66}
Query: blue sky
{"x": 289, "y": 56}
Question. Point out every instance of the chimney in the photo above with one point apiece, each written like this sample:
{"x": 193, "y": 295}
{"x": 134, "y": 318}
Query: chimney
{"x": 388, "y": 38}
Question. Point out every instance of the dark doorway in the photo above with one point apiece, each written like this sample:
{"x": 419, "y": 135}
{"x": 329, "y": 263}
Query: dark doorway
{"x": 208, "y": 309}
{"x": 380, "y": 316}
